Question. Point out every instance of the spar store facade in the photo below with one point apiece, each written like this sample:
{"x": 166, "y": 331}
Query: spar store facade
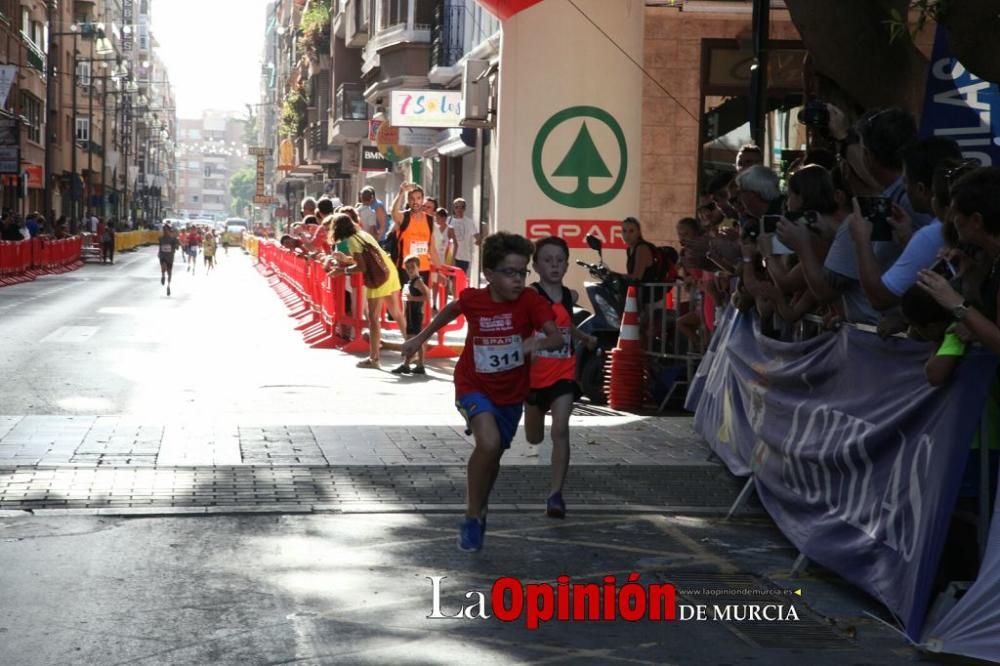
{"x": 621, "y": 111}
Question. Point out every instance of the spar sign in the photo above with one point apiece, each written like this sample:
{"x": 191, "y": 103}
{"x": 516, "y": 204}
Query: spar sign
{"x": 568, "y": 142}
{"x": 583, "y": 162}
{"x": 575, "y": 232}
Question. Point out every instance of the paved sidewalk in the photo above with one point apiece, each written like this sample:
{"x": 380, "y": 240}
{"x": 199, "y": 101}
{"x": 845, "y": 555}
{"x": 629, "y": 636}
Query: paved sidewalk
{"x": 124, "y": 441}
{"x": 120, "y": 464}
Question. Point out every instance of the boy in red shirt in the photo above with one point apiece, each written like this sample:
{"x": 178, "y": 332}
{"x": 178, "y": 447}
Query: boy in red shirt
{"x": 491, "y": 377}
{"x": 553, "y": 374}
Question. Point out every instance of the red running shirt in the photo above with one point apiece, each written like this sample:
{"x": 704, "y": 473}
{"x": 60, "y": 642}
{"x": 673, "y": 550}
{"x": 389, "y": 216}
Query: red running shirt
{"x": 493, "y": 362}
{"x": 549, "y": 367}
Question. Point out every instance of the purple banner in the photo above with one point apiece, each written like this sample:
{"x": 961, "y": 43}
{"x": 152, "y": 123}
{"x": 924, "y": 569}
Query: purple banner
{"x": 854, "y": 455}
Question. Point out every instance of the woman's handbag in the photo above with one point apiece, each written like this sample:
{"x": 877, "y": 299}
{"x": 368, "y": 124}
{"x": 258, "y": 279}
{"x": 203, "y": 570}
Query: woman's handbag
{"x": 375, "y": 272}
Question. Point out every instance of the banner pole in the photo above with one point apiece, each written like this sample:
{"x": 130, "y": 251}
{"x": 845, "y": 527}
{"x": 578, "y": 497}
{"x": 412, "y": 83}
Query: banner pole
{"x": 742, "y": 498}
{"x": 983, "y": 527}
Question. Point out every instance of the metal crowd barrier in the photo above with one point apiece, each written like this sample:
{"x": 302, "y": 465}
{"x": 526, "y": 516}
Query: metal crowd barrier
{"x": 661, "y": 339}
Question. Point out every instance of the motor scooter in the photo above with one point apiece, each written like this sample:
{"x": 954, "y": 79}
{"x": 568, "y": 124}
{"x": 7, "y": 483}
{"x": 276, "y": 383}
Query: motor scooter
{"x": 607, "y": 300}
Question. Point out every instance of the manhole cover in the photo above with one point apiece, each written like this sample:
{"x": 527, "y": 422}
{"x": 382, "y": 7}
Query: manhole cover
{"x": 594, "y": 410}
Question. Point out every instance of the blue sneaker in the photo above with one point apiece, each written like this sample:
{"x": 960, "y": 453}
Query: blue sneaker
{"x": 555, "y": 507}
{"x": 470, "y": 537}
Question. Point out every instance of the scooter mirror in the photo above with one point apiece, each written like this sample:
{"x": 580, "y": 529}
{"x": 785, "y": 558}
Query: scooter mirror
{"x": 594, "y": 243}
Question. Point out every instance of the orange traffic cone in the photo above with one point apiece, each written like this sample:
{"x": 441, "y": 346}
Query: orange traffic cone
{"x": 628, "y": 337}
{"x": 626, "y": 382}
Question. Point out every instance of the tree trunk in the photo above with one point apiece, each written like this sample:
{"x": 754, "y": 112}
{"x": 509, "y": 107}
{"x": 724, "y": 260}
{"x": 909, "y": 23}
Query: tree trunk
{"x": 849, "y": 43}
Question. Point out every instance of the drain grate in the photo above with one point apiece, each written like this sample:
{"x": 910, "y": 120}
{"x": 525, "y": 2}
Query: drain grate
{"x": 594, "y": 410}
{"x": 810, "y": 631}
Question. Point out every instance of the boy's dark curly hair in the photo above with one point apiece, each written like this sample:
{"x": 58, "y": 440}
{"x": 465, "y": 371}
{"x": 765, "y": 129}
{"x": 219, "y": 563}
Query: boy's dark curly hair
{"x": 497, "y": 246}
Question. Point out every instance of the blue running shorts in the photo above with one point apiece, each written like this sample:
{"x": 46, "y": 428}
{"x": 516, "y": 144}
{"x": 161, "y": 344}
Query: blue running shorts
{"x": 507, "y": 417}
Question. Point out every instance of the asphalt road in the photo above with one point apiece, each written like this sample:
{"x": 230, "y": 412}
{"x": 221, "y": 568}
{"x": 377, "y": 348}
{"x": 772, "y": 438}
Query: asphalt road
{"x": 356, "y": 589}
{"x": 210, "y": 490}
{"x": 106, "y": 339}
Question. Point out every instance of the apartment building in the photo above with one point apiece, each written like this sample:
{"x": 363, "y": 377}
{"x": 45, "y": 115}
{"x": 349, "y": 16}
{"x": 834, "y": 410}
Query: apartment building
{"x": 75, "y": 125}
{"x": 210, "y": 150}
{"x": 23, "y": 35}
{"x": 344, "y": 58}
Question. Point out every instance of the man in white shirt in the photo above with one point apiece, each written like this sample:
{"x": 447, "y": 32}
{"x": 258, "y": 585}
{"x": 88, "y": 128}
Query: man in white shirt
{"x": 466, "y": 233}
{"x": 372, "y": 213}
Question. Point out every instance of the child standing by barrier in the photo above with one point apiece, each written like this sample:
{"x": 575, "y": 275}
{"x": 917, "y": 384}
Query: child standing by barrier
{"x": 553, "y": 373}
{"x": 417, "y": 295}
{"x": 491, "y": 377}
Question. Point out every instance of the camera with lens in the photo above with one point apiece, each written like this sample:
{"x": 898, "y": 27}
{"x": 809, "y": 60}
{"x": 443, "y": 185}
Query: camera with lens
{"x": 815, "y": 115}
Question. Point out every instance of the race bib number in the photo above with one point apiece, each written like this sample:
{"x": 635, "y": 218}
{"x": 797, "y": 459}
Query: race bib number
{"x": 497, "y": 354}
{"x": 166, "y": 248}
{"x": 563, "y": 352}
{"x": 420, "y": 248}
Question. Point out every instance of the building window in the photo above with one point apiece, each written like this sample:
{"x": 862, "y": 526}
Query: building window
{"x": 83, "y": 129}
{"x": 83, "y": 74}
{"x": 38, "y": 34}
{"x": 31, "y": 108}
{"x": 391, "y": 12}
{"x": 194, "y": 198}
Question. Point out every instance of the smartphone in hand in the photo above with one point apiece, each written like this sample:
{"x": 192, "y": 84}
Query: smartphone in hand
{"x": 944, "y": 268}
{"x": 770, "y": 223}
{"x": 877, "y": 210}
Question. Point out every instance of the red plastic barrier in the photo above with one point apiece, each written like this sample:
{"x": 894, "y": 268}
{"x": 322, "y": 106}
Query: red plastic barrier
{"x": 440, "y": 297}
{"x": 354, "y": 319}
{"x": 323, "y": 299}
{"x": 25, "y": 260}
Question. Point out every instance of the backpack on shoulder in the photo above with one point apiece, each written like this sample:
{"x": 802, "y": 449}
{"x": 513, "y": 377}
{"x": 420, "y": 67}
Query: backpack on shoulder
{"x": 666, "y": 261}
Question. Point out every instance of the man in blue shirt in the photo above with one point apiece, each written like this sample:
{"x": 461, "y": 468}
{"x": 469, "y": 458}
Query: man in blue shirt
{"x": 921, "y": 247}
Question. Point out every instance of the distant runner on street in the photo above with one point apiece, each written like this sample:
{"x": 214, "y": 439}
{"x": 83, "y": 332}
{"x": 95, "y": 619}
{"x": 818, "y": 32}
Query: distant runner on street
{"x": 168, "y": 246}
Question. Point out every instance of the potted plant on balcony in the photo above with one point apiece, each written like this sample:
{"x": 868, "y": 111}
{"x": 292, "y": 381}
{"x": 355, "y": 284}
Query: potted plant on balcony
{"x": 314, "y": 29}
{"x": 294, "y": 112}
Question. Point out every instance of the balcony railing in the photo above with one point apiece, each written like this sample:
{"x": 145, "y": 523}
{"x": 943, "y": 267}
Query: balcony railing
{"x": 448, "y": 33}
{"x": 36, "y": 59}
{"x": 316, "y": 137}
{"x": 349, "y": 102}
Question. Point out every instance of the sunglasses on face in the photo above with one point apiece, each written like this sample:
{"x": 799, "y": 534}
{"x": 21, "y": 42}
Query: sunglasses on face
{"x": 959, "y": 170}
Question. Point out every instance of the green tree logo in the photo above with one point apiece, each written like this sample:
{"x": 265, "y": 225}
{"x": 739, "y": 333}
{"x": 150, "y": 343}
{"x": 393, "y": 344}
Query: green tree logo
{"x": 583, "y": 161}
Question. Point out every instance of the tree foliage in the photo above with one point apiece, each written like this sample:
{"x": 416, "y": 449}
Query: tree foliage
{"x": 242, "y": 187}
{"x": 294, "y": 113}
{"x": 866, "y": 47}
{"x": 314, "y": 23}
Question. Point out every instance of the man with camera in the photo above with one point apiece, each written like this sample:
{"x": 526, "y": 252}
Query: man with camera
{"x": 884, "y": 290}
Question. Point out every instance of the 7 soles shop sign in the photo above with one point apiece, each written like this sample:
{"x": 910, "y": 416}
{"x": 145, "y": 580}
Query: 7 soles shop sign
{"x": 510, "y": 600}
